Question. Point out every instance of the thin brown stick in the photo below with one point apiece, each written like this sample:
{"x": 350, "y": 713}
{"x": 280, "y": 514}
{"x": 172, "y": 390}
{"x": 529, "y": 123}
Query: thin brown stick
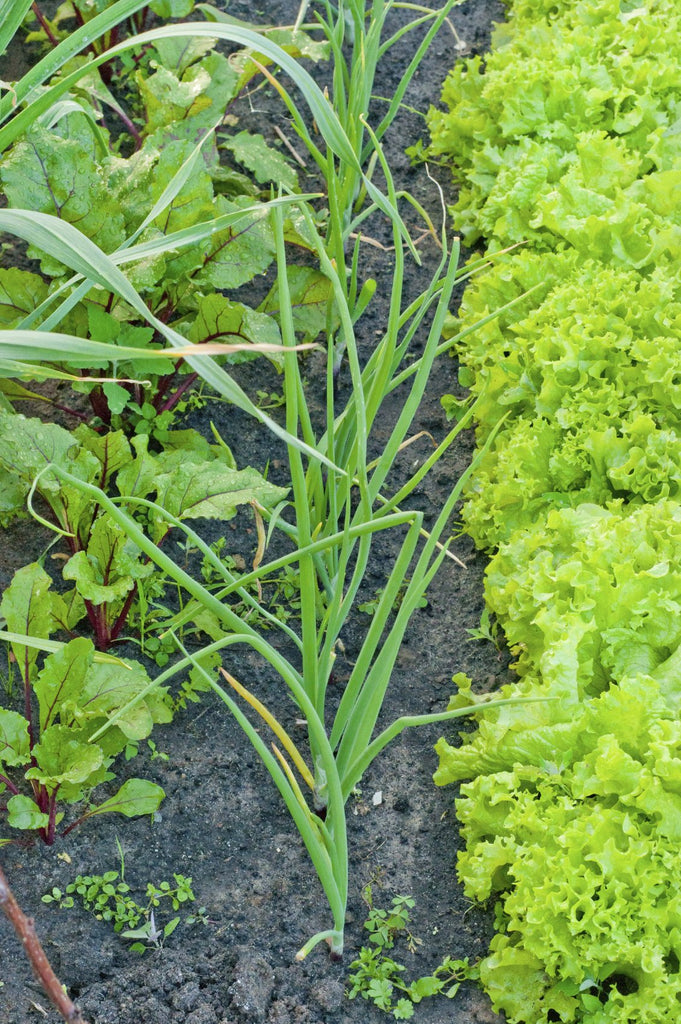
{"x": 25, "y": 929}
{"x": 44, "y": 24}
{"x": 291, "y": 148}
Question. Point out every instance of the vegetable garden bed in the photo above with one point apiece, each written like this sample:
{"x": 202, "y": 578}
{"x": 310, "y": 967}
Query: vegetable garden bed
{"x": 319, "y": 609}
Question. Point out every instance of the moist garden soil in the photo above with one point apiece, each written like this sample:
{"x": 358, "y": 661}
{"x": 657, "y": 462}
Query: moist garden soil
{"x": 222, "y": 821}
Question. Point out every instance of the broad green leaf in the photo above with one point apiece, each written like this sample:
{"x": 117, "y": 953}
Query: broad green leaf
{"x": 235, "y": 256}
{"x": 188, "y": 444}
{"x": 424, "y": 987}
{"x": 181, "y": 447}
{"x": 297, "y": 43}
{"x": 211, "y": 492}
{"x": 266, "y": 163}
{"x": 20, "y": 293}
{"x": 61, "y": 680}
{"x": 117, "y": 397}
{"x": 14, "y": 749}
{"x": 169, "y": 928}
{"x": 12, "y": 490}
{"x": 27, "y": 609}
{"x": 29, "y": 446}
{"x": 131, "y": 181}
{"x": 108, "y": 689}
{"x": 178, "y": 54}
{"x": 106, "y": 328}
{"x": 23, "y": 813}
{"x": 220, "y": 319}
{"x": 193, "y": 99}
{"x": 111, "y": 450}
{"x": 311, "y": 293}
{"x": 135, "y": 797}
{"x": 168, "y": 99}
{"x": 59, "y": 175}
{"x": 110, "y": 566}
{"x": 68, "y": 609}
{"x": 192, "y": 204}
{"x": 63, "y": 761}
{"x": 172, "y": 8}
{"x": 137, "y": 478}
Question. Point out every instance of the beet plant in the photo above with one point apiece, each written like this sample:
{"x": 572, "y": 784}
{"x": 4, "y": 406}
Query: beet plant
{"x": 47, "y": 757}
{"x": 189, "y": 479}
{"x": 188, "y": 227}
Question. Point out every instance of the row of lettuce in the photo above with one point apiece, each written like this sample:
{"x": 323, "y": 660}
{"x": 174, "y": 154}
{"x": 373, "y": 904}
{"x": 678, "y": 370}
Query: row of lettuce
{"x": 568, "y": 140}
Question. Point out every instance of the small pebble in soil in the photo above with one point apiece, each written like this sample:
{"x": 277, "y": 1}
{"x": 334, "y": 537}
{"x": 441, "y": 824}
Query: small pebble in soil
{"x": 328, "y": 994}
{"x": 252, "y": 988}
{"x": 203, "y": 1014}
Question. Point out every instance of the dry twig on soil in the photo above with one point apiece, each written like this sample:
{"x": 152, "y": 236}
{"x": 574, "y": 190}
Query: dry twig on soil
{"x": 25, "y": 929}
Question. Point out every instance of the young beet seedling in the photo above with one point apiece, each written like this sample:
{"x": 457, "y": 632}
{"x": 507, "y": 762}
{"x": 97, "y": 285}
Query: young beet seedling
{"x": 48, "y": 759}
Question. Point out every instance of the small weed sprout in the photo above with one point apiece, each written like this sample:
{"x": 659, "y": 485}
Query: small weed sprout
{"x": 379, "y": 978}
{"x": 108, "y": 898}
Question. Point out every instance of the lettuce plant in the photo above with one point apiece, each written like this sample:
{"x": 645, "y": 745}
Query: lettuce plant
{"x": 585, "y": 170}
{"x": 569, "y": 134}
{"x": 592, "y": 408}
{"x": 573, "y": 816}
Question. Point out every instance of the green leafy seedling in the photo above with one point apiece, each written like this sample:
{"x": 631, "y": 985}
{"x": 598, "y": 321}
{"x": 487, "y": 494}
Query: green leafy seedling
{"x": 48, "y": 757}
{"x": 379, "y": 978}
{"x": 487, "y": 630}
{"x": 108, "y": 898}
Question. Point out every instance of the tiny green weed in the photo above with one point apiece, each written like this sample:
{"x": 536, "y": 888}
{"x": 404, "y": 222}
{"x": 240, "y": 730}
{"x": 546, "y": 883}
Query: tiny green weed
{"x": 108, "y": 897}
{"x": 379, "y": 978}
{"x": 487, "y": 630}
{"x": 370, "y": 607}
{"x": 132, "y": 750}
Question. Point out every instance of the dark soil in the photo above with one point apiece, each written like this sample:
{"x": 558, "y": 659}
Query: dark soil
{"x": 223, "y": 822}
